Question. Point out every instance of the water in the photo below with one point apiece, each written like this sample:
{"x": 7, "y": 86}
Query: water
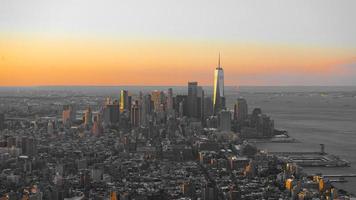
{"x": 313, "y": 117}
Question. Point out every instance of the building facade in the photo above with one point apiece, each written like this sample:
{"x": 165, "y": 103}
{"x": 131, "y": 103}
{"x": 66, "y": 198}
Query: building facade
{"x": 218, "y": 96}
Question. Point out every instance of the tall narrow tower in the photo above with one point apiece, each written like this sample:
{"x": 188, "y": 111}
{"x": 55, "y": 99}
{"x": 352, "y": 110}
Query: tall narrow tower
{"x": 124, "y": 101}
{"x": 218, "y": 88}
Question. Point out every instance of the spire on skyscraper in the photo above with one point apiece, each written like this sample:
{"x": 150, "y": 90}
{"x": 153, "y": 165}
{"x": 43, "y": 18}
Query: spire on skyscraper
{"x": 219, "y": 62}
{"x": 218, "y": 96}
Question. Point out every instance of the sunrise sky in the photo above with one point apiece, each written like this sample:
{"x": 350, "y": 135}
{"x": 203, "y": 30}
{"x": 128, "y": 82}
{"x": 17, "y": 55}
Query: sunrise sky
{"x": 166, "y": 42}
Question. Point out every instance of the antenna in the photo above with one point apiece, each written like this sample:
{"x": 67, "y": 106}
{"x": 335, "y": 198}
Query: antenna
{"x": 219, "y": 61}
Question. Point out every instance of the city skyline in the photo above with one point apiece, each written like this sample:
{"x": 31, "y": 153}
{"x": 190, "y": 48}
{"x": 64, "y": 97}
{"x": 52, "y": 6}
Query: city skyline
{"x": 162, "y": 43}
{"x": 166, "y": 99}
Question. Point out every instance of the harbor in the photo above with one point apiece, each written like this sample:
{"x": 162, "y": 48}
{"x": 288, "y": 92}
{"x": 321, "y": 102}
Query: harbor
{"x": 313, "y": 159}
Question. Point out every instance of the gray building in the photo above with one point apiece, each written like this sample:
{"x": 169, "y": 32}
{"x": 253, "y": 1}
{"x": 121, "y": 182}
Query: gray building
{"x": 224, "y": 120}
{"x": 193, "y": 99}
{"x": 241, "y": 110}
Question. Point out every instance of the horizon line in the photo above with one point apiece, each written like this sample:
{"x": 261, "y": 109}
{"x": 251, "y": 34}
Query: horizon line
{"x": 39, "y": 86}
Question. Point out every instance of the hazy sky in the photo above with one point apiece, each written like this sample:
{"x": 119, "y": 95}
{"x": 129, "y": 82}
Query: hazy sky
{"x": 163, "y": 42}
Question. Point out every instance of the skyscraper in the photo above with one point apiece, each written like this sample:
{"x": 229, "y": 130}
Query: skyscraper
{"x": 265, "y": 126}
{"x": 169, "y": 102}
{"x": 146, "y": 109}
{"x": 200, "y": 104}
{"x": 88, "y": 117}
{"x": 240, "y": 110}
{"x": 224, "y": 120}
{"x": 135, "y": 114}
{"x": 181, "y": 105}
{"x": 192, "y": 99}
{"x": 2, "y": 121}
{"x": 97, "y": 128}
{"x": 124, "y": 101}
{"x": 111, "y": 112}
{"x": 69, "y": 114}
{"x": 158, "y": 99}
{"x": 218, "y": 96}
{"x": 208, "y": 107}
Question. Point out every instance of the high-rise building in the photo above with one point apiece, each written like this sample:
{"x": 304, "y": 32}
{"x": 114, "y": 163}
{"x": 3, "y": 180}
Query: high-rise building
{"x": 146, "y": 109}
{"x": 125, "y": 101}
{"x": 224, "y": 120}
{"x": 218, "y": 96}
{"x": 158, "y": 99}
{"x": 240, "y": 110}
{"x": 108, "y": 101}
{"x": 140, "y": 96}
{"x": 160, "y": 115}
{"x": 170, "y": 102}
{"x": 2, "y": 121}
{"x": 88, "y": 117}
{"x": 69, "y": 114}
{"x": 254, "y": 116}
{"x": 111, "y": 112}
{"x": 135, "y": 114}
{"x": 208, "y": 107}
{"x": 97, "y": 128}
{"x": 181, "y": 105}
{"x": 192, "y": 99}
{"x": 265, "y": 126}
{"x": 200, "y": 104}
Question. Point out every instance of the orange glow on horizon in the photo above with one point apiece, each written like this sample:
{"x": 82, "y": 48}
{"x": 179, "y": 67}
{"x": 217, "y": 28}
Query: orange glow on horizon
{"x": 35, "y": 61}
